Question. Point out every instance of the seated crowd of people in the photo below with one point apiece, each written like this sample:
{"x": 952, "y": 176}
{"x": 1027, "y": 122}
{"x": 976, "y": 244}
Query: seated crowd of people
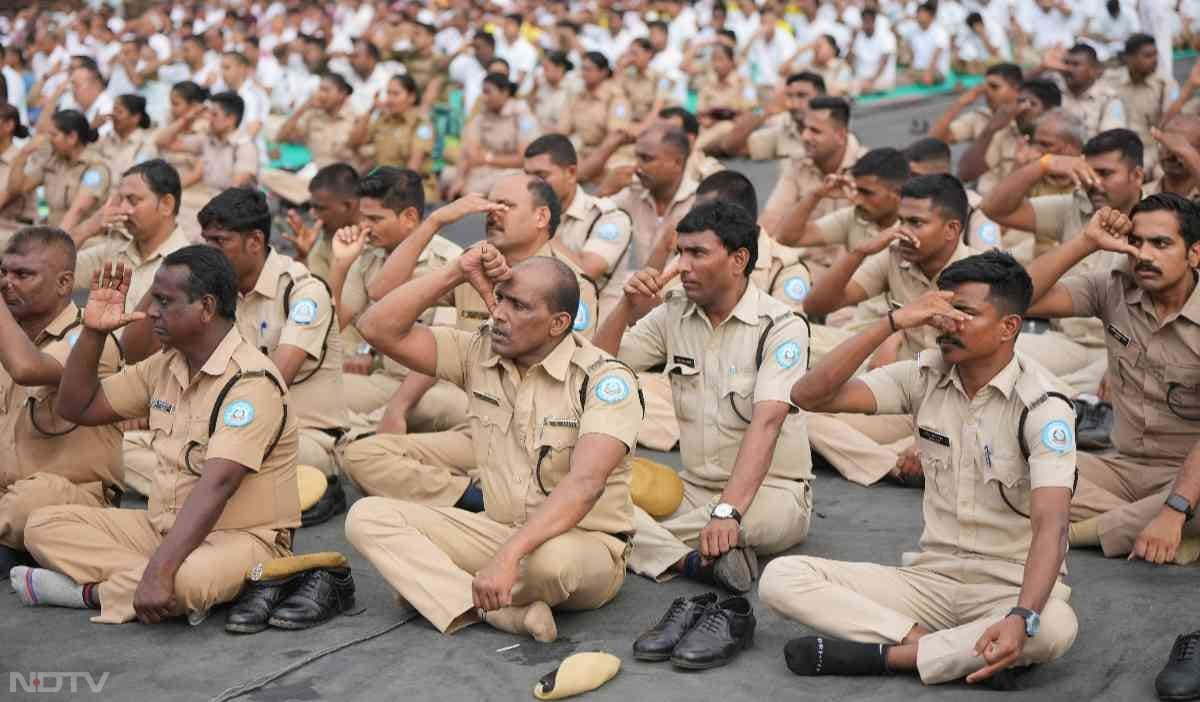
{"x": 1016, "y": 331}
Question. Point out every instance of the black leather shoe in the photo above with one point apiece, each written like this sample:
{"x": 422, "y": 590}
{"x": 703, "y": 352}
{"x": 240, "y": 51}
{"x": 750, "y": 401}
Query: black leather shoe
{"x": 657, "y": 643}
{"x": 331, "y": 504}
{"x": 320, "y": 596}
{"x": 1180, "y": 679}
{"x": 253, "y": 607}
{"x": 1094, "y": 425}
{"x": 11, "y": 558}
{"x": 723, "y": 630}
{"x": 736, "y": 570}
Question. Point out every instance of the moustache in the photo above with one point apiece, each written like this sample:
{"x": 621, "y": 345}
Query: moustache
{"x": 951, "y": 340}
{"x": 1147, "y": 267}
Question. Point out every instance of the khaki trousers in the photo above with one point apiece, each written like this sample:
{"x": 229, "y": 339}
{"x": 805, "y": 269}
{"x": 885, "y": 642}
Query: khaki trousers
{"x": 367, "y": 393}
{"x": 21, "y": 498}
{"x": 777, "y": 520}
{"x": 316, "y": 449}
{"x": 873, "y": 603}
{"x": 1081, "y": 367}
{"x": 431, "y": 469}
{"x": 442, "y": 407}
{"x": 140, "y": 461}
{"x": 862, "y": 447}
{"x": 430, "y": 555}
{"x": 660, "y": 429}
{"x": 112, "y": 547}
{"x": 1125, "y": 494}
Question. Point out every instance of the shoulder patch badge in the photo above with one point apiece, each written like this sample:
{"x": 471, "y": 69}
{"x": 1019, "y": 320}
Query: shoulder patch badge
{"x": 1058, "y": 436}
{"x": 787, "y": 354}
{"x": 304, "y": 311}
{"x": 609, "y": 231}
{"x": 424, "y": 132}
{"x": 796, "y": 289}
{"x": 619, "y": 111}
{"x": 583, "y": 317}
{"x": 989, "y": 233}
{"x": 238, "y": 414}
{"x": 611, "y": 389}
{"x": 72, "y": 338}
{"x": 92, "y": 178}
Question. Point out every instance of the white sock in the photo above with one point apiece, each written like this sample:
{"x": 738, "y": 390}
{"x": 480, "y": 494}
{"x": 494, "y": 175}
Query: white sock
{"x": 38, "y": 586}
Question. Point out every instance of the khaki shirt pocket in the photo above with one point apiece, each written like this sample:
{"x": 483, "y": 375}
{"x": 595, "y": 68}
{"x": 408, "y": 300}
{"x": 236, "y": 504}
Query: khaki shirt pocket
{"x": 1008, "y": 484}
{"x": 1127, "y": 374}
{"x": 555, "y": 444}
{"x": 489, "y": 420}
{"x": 936, "y": 455}
{"x": 737, "y": 400}
{"x": 687, "y": 391}
{"x": 1183, "y": 393}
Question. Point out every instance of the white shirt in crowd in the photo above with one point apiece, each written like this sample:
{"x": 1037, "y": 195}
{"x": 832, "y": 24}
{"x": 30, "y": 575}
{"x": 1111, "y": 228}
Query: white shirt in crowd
{"x": 768, "y": 56}
{"x": 925, "y": 44}
{"x": 869, "y": 51}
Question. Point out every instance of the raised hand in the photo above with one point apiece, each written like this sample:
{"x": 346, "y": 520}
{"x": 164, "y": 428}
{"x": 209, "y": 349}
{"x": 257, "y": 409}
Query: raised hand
{"x": 1074, "y": 167}
{"x": 348, "y": 243}
{"x": 836, "y": 185}
{"x": 1172, "y": 141}
{"x": 469, "y": 204}
{"x": 644, "y": 288}
{"x": 302, "y": 237}
{"x": 884, "y": 239}
{"x": 1109, "y": 230}
{"x": 105, "y": 310}
{"x": 483, "y": 266}
{"x": 932, "y": 308}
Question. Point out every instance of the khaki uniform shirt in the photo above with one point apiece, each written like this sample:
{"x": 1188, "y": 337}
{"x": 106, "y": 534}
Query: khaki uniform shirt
{"x": 778, "y": 137}
{"x": 328, "y": 136}
{"x": 642, "y": 90}
{"x": 35, "y": 440}
{"x": 647, "y": 224}
{"x": 716, "y": 379}
{"x": 837, "y": 76}
{"x": 552, "y": 103}
{"x": 422, "y": 68}
{"x": 903, "y": 282}
{"x": 847, "y": 228}
{"x": 596, "y": 225}
{"x": 968, "y": 127}
{"x": 1156, "y": 186}
{"x": 589, "y": 117}
{"x": 308, "y": 321}
{"x": 122, "y": 154}
{"x": 1060, "y": 218}
{"x": 524, "y": 429}
{"x": 21, "y": 208}
{"x": 247, "y": 423}
{"x": 733, "y": 93}
{"x": 65, "y": 180}
{"x": 438, "y": 254}
{"x": 223, "y": 159}
{"x": 1099, "y": 108}
{"x": 1153, "y": 365}
{"x": 779, "y": 272}
{"x": 971, "y": 453}
{"x": 394, "y": 138}
{"x": 126, "y": 251}
{"x": 1000, "y": 157}
{"x": 982, "y": 233}
{"x": 797, "y": 178}
{"x": 505, "y": 131}
{"x": 1145, "y": 104}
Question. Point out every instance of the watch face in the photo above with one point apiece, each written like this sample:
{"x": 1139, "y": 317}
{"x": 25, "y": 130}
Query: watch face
{"x": 723, "y": 512}
{"x": 1033, "y": 624}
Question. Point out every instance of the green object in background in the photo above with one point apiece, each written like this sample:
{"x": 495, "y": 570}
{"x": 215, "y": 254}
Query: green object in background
{"x": 292, "y": 157}
{"x": 917, "y": 91}
{"x": 693, "y": 99}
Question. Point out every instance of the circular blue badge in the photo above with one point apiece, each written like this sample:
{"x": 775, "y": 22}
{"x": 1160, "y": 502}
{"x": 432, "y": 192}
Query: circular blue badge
{"x": 72, "y": 338}
{"x": 239, "y": 414}
{"x": 583, "y": 317}
{"x": 92, "y": 178}
{"x": 304, "y": 311}
{"x": 612, "y": 389}
{"x": 787, "y": 354}
{"x": 609, "y": 231}
{"x": 1058, "y": 436}
{"x": 796, "y": 288}
{"x": 989, "y": 233}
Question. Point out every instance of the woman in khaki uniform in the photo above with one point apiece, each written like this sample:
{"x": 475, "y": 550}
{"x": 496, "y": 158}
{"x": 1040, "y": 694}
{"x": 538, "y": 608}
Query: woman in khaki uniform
{"x": 185, "y": 96}
{"x": 75, "y": 176}
{"x": 553, "y": 90}
{"x": 494, "y": 140}
{"x": 397, "y": 133}
{"x": 16, "y": 210}
{"x": 599, "y": 109}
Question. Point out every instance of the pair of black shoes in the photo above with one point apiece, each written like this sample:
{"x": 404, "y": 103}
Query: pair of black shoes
{"x": 331, "y": 504}
{"x": 1180, "y": 679}
{"x": 699, "y": 632}
{"x": 297, "y": 601}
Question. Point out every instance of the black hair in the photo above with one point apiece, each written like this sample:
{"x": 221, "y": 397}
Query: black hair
{"x": 93, "y": 69}
{"x": 838, "y": 108}
{"x": 729, "y": 186}
{"x": 1046, "y": 91}
{"x": 837, "y": 50}
{"x": 241, "y": 210}
{"x": 8, "y": 113}
{"x": 727, "y": 50}
{"x": 868, "y": 12}
{"x": 564, "y": 293}
{"x": 543, "y": 196}
{"x": 337, "y": 178}
{"x": 1187, "y": 213}
{"x": 731, "y": 36}
{"x": 1009, "y": 284}
{"x": 1087, "y": 51}
{"x": 239, "y": 57}
{"x": 191, "y": 92}
{"x": 515, "y": 17}
{"x": 501, "y": 82}
{"x": 486, "y": 37}
{"x": 338, "y": 81}
{"x": 1010, "y": 72}
{"x": 136, "y": 104}
{"x": 677, "y": 140}
{"x": 560, "y": 59}
{"x": 658, "y": 24}
{"x": 197, "y": 38}
{"x": 560, "y": 149}
{"x": 598, "y": 60}
{"x": 395, "y": 188}
{"x": 930, "y": 7}
{"x": 1125, "y": 141}
{"x": 406, "y": 81}
{"x": 731, "y": 223}
{"x": 1135, "y": 43}
{"x": 691, "y": 125}
{"x": 945, "y": 193}
{"x": 928, "y": 149}
{"x": 974, "y": 18}
{"x": 372, "y": 50}
{"x": 429, "y": 28}
{"x": 161, "y": 178}
{"x": 46, "y": 237}
{"x": 73, "y": 122}
{"x": 209, "y": 273}
{"x": 644, "y": 44}
{"x": 231, "y": 104}
{"x": 809, "y": 77}
{"x": 886, "y": 164}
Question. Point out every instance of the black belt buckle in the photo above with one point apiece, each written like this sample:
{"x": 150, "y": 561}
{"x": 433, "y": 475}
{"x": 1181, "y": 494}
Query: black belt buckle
{"x": 1035, "y": 325}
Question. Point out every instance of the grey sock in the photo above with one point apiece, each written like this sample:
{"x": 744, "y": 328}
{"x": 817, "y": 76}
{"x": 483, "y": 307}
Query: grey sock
{"x": 38, "y": 586}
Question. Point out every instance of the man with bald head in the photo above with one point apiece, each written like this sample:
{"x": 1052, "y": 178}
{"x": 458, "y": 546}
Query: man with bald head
{"x": 553, "y": 421}
{"x": 1179, "y": 157}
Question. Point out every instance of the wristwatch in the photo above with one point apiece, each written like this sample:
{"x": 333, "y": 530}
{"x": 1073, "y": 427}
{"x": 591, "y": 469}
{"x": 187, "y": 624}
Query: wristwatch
{"x": 1180, "y": 504}
{"x": 727, "y": 511}
{"x": 1033, "y": 621}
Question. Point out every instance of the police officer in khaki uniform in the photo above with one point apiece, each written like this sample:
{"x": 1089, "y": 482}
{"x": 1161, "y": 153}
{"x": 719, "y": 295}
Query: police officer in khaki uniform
{"x": 1145, "y": 94}
{"x": 830, "y": 149}
{"x": 596, "y": 111}
{"x": 998, "y": 452}
{"x": 777, "y": 132}
{"x": 1179, "y": 158}
{"x": 993, "y": 152}
{"x": 1139, "y": 499}
{"x": 51, "y": 462}
{"x": 645, "y": 89}
{"x": 1086, "y": 95}
{"x": 323, "y": 124}
{"x": 596, "y": 230}
{"x": 16, "y": 210}
{"x": 391, "y": 204}
{"x": 552, "y": 421}
{"x": 1112, "y": 176}
{"x": 931, "y": 156}
{"x": 731, "y": 353}
{"x": 553, "y": 88}
{"x": 224, "y": 495}
{"x": 75, "y": 177}
{"x": 1000, "y": 90}
{"x": 900, "y": 264}
{"x": 439, "y": 468}
{"x": 424, "y": 64}
{"x": 400, "y": 136}
{"x": 494, "y": 140}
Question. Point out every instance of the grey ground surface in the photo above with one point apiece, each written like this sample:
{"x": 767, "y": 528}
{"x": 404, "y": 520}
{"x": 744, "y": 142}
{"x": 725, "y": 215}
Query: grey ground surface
{"x": 1129, "y": 615}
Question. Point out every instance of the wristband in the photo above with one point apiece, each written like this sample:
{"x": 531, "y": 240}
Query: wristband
{"x": 892, "y": 321}
{"x": 1044, "y": 163}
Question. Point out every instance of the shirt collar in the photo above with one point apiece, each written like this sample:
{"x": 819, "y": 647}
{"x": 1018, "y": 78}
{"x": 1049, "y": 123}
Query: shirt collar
{"x": 60, "y": 324}
{"x": 1135, "y": 296}
{"x": 1004, "y": 381}
{"x": 177, "y": 240}
{"x": 556, "y": 363}
{"x": 745, "y": 310}
{"x": 217, "y": 361}
{"x": 579, "y": 205}
{"x": 267, "y": 284}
